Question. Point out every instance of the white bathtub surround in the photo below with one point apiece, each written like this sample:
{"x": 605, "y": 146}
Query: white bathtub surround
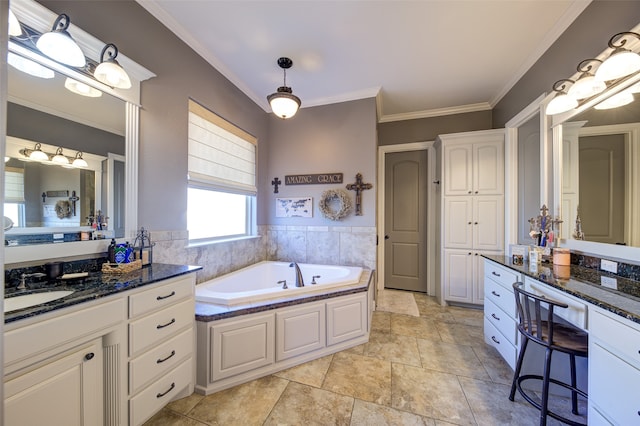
{"x": 263, "y": 281}
{"x": 330, "y": 245}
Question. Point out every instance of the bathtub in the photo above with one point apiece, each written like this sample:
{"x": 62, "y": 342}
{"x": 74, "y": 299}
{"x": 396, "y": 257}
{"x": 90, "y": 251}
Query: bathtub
{"x": 259, "y": 282}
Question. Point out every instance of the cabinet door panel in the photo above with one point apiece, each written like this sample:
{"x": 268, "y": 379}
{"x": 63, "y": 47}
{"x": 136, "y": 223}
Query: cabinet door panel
{"x": 458, "y": 275}
{"x": 488, "y": 168}
{"x": 488, "y": 223}
{"x": 458, "y": 173}
{"x": 300, "y": 331}
{"x": 346, "y": 319}
{"x": 457, "y": 222}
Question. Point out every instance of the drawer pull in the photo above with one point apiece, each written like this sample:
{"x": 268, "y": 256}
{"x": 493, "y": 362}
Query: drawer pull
{"x": 173, "y": 293}
{"x": 161, "y": 360}
{"x": 495, "y": 273}
{"x": 495, "y": 340}
{"x": 166, "y": 325}
{"x": 89, "y": 356}
{"x": 494, "y": 293}
{"x": 160, "y": 395}
{"x": 495, "y": 317}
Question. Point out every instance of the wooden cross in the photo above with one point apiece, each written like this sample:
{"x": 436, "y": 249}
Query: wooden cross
{"x": 275, "y": 182}
{"x": 358, "y": 186}
{"x": 73, "y": 200}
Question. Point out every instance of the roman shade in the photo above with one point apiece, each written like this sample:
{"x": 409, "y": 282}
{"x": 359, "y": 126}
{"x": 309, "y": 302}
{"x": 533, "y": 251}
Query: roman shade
{"x": 14, "y": 185}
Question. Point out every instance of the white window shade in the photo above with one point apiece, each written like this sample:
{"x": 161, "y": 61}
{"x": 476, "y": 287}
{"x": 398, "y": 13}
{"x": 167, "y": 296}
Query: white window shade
{"x": 221, "y": 156}
{"x": 14, "y": 185}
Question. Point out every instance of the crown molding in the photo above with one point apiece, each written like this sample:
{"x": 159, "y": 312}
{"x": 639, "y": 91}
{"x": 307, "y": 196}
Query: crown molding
{"x": 371, "y": 92}
{"x": 437, "y": 112}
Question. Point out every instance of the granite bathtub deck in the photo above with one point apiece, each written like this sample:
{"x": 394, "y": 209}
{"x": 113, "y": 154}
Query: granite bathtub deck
{"x": 586, "y": 284}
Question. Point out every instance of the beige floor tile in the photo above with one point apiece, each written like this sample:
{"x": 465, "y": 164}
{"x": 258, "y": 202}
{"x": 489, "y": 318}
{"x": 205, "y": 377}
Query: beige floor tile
{"x": 368, "y": 414}
{"x": 497, "y": 368}
{"x": 429, "y": 393}
{"x": 361, "y": 377}
{"x": 310, "y": 373}
{"x": 246, "y": 404}
{"x": 451, "y": 358}
{"x": 381, "y": 321}
{"x": 460, "y": 333}
{"x": 359, "y": 350}
{"x": 306, "y": 405}
{"x": 184, "y": 405}
{"x": 397, "y": 301}
{"x": 393, "y": 347}
{"x": 420, "y": 327}
{"x": 435, "y": 312}
{"x": 467, "y": 316}
{"x": 425, "y": 299}
{"x": 491, "y": 406}
{"x": 166, "y": 417}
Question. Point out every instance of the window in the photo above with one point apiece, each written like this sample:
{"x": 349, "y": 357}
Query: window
{"x": 222, "y": 184}
{"x": 14, "y": 195}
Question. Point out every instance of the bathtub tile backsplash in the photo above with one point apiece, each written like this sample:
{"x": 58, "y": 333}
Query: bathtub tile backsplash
{"x": 333, "y": 245}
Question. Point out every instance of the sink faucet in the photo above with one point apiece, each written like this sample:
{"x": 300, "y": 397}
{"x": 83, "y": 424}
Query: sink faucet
{"x": 299, "y": 279}
{"x": 23, "y": 279}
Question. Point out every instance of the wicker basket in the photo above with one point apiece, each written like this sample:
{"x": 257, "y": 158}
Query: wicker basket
{"x": 121, "y": 268}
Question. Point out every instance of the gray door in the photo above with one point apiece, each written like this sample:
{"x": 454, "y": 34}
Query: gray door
{"x": 405, "y": 263}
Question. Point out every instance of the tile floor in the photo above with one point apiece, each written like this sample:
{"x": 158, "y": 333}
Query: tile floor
{"x": 432, "y": 369}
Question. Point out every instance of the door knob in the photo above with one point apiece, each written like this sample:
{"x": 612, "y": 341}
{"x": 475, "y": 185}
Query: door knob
{"x": 386, "y": 237}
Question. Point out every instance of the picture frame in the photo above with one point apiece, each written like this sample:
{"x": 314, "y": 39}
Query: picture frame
{"x": 294, "y": 207}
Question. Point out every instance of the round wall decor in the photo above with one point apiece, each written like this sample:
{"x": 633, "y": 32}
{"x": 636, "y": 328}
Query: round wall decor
{"x": 335, "y": 204}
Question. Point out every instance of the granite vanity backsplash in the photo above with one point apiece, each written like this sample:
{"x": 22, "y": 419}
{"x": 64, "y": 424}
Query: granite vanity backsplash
{"x": 12, "y": 276}
{"x": 625, "y": 270}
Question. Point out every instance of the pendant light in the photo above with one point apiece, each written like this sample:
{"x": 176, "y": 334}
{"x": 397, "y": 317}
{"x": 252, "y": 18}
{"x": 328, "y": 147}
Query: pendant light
{"x": 14, "y": 25}
{"x": 59, "y": 158}
{"x": 283, "y": 102}
{"x": 81, "y": 89}
{"x": 78, "y": 161}
{"x": 621, "y": 62}
{"x": 562, "y": 102}
{"x": 58, "y": 44}
{"x": 587, "y": 84}
{"x": 109, "y": 71}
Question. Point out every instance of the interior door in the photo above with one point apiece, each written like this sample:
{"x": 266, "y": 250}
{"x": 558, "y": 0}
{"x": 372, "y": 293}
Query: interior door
{"x": 406, "y": 221}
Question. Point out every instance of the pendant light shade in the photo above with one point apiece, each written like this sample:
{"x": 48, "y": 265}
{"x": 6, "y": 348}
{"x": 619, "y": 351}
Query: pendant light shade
{"x": 14, "y": 25}
{"x": 109, "y": 70}
{"x": 622, "y": 62}
{"x": 78, "y": 161}
{"x": 28, "y": 66}
{"x": 586, "y": 85}
{"x": 37, "y": 154}
{"x": 81, "y": 89}
{"x": 58, "y": 44}
{"x": 59, "y": 158}
{"x": 283, "y": 102}
{"x": 562, "y": 102}
{"x": 615, "y": 101}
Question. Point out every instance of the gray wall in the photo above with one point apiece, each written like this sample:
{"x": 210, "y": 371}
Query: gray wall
{"x": 426, "y": 129}
{"x": 585, "y": 38}
{"x": 181, "y": 74}
{"x": 338, "y": 138}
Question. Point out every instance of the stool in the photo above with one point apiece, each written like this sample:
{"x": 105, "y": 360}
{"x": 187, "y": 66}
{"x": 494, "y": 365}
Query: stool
{"x": 538, "y": 323}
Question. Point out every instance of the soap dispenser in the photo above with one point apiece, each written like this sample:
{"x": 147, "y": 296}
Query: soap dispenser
{"x": 112, "y": 251}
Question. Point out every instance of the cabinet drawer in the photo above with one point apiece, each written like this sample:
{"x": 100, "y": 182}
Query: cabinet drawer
{"x": 575, "y": 313}
{"x": 496, "y": 339}
{"x": 501, "y": 321}
{"x": 611, "y": 386}
{"x": 159, "y": 393}
{"x": 500, "y": 296}
{"x": 161, "y": 296}
{"x": 621, "y": 339}
{"x": 159, "y": 360}
{"x": 503, "y": 276}
{"x": 159, "y": 326}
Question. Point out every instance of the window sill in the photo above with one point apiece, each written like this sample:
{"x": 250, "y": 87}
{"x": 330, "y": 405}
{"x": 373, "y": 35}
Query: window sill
{"x": 221, "y": 241}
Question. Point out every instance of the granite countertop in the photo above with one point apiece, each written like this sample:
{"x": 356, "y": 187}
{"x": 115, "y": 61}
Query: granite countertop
{"x": 621, "y": 296}
{"x": 95, "y": 286}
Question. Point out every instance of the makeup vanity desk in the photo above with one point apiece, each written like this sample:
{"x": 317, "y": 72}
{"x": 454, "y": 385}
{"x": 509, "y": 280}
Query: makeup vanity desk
{"x": 605, "y": 305}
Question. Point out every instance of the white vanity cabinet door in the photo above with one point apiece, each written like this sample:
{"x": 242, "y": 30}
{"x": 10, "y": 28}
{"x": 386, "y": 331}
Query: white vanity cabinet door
{"x": 65, "y": 392}
{"x": 488, "y": 167}
{"x": 458, "y": 169}
{"x": 458, "y": 275}
{"x": 300, "y": 330}
{"x": 346, "y": 318}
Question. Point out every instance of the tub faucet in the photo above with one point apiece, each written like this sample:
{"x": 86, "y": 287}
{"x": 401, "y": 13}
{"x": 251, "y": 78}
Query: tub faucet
{"x": 23, "y": 279}
{"x": 299, "y": 279}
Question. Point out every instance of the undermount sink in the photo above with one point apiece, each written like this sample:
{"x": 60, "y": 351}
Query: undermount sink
{"x": 25, "y": 301}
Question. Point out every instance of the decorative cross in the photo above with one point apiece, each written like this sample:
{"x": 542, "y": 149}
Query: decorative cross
{"x": 73, "y": 200}
{"x": 358, "y": 186}
{"x": 544, "y": 209}
{"x": 275, "y": 182}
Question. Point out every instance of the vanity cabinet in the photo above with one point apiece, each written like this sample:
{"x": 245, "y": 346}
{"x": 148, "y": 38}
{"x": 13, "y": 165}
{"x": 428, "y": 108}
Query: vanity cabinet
{"x": 614, "y": 369}
{"x": 472, "y": 210}
{"x": 161, "y": 346}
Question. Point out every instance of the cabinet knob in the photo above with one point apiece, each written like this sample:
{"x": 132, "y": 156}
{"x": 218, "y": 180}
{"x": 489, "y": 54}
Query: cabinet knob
{"x": 476, "y": 192}
{"x": 469, "y": 192}
{"x": 469, "y": 254}
{"x": 475, "y": 223}
{"x": 89, "y": 356}
{"x": 469, "y": 223}
{"x": 475, "y": 254}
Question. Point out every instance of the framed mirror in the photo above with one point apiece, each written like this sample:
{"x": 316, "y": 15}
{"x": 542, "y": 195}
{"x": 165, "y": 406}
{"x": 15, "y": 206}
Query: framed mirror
{"x": 82, "y": 125}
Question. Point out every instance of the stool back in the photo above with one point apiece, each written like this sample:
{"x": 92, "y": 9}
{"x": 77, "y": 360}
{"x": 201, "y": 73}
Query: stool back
{"x": 535, "y": 315}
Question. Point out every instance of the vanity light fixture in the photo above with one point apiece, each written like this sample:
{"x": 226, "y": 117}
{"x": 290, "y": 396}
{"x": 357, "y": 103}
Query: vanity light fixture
{"x": 59, "y": 157}
{"x": 622, "y": 62}
{"x": 81, "y": 89}
{"x": 109, "y": 71}
{"x": 562, "y": 102}
{"x": 615, "y": 101}
{"x": 283, "y": 102}
{"x": 78, "y": 161}
{"x": 60, "y": 46}
{"x": 587, "y": 84}
{"x": 28, "y": 66}
{"x": 37, "y": 154}
{"x": 15, "y": 29}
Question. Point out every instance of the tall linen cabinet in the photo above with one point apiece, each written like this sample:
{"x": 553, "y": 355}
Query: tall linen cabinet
{"x": 471, "y": 204}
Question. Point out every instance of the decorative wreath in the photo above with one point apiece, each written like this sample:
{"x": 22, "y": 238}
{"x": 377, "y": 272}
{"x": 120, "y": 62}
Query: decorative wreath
{"x": 63, "y": 209}
{"x": 332, "y": 198}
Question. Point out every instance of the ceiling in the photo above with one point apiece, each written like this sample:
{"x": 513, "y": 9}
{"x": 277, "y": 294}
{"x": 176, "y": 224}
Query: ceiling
{"x": 420, "y": 58}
